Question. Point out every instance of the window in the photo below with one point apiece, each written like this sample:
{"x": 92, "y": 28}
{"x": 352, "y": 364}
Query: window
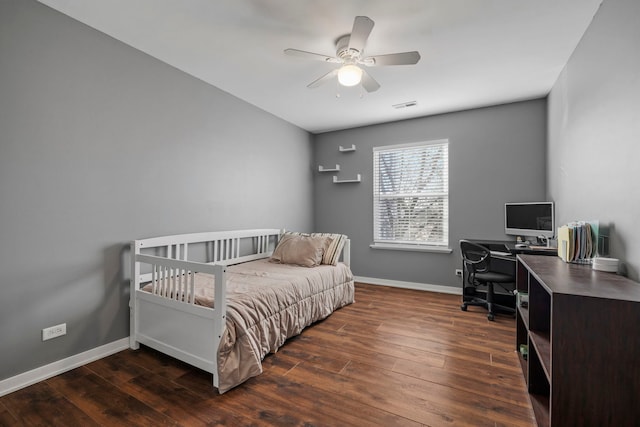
{"x": 411, "y": 195}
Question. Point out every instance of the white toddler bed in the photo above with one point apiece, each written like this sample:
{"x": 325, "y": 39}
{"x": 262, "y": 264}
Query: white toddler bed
{"x": 177, "y": 309}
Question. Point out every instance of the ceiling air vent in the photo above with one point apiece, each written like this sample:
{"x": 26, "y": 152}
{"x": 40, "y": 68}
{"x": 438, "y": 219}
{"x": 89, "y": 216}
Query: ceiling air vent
{"x": 405, "y": 105}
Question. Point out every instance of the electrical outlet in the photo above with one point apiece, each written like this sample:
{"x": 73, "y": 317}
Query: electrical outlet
{"x": 54, "y": 331}
{"x": 458, "y": 272}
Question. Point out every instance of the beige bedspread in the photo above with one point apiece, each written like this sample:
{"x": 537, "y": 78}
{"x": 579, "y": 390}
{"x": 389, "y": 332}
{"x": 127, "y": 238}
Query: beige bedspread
{"x": 268, "y": 303}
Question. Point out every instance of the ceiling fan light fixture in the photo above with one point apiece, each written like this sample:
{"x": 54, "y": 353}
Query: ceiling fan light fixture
{"x": 349, "y": 75}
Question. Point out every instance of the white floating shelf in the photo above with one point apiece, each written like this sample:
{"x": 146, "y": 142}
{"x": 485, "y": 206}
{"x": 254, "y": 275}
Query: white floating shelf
{"x": 345, "y": 149}
{"x": 323, "y": 169}
{"x": 336, "y": 181}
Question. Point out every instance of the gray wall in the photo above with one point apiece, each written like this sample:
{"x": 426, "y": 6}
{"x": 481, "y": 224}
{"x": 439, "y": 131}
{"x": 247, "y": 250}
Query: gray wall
{"x": 496, "y": 155}
{"x": 101, "y": 144}
{"x": 594, "y": 130}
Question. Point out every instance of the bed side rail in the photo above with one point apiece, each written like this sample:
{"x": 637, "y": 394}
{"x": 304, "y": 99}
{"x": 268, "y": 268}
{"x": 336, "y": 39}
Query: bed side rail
{"x": 172, "y": 278}
{"x": 173, "y": 283}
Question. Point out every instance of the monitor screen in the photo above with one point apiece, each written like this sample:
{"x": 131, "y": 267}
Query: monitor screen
{"x": 529, "y": 219}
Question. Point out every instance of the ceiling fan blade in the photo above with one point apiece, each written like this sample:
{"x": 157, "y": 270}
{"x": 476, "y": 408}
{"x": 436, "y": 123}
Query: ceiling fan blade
{"x": 311, "y": 55}
{"x": 368, "y": 83}
{"x": 321, "y": 80}
{"x": 404, "y": 58}
{"x": 362, "y": 27}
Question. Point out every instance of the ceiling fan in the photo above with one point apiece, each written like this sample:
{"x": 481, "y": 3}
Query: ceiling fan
{"x": 350, "y": 54}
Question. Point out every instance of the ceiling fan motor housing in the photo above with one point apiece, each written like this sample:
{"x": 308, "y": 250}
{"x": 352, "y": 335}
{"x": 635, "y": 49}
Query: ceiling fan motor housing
{"x": 343, "y": 51}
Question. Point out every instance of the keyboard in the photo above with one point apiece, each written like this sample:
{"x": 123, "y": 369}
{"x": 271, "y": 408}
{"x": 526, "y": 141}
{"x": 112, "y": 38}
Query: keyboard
{"x": 500, "y": 253}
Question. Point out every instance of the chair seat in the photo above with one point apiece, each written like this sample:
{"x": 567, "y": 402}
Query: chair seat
{"x": 494, "y": 277}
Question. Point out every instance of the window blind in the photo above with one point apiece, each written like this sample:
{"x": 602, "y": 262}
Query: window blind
{"x": 411, "y": 193}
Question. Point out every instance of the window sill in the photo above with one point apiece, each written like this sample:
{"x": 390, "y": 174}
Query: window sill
{"x": 412, "y": 248}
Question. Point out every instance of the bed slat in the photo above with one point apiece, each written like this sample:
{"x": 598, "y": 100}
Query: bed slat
{"x": 192, "y": 289}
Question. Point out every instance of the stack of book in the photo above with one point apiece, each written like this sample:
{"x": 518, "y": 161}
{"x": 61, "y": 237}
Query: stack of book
{"x": 578, "y": 241}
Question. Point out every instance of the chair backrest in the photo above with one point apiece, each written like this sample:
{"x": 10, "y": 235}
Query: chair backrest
{"x": 477, "y": 258}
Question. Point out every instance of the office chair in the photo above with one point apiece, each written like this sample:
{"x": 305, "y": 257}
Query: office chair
{"x": 477, "y": 263}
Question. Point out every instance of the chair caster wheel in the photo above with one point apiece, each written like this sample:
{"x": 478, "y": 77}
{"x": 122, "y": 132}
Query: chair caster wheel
{"x": 490, "y": 316}
{"x": 463, "y": 307}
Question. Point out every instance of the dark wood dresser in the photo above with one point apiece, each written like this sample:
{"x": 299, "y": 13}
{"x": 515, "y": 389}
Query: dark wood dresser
{"x": 582, "y": 332}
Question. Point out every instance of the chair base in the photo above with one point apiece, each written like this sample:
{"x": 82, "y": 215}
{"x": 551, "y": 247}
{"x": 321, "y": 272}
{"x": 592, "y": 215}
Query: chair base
{"x": 491, "y": 307}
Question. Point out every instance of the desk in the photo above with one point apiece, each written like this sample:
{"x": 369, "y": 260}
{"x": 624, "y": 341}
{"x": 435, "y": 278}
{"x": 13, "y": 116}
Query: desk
{"x": 503, "y": 260}
{"x": 506, "y": 248}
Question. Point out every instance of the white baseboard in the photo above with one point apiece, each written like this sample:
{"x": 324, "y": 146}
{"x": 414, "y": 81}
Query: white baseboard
{"x": 410, "y": 285}
{"x": 52, "y": 369}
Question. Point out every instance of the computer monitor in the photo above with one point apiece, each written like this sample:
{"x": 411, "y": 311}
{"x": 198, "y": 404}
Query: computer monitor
{"x": 529, "y": 219}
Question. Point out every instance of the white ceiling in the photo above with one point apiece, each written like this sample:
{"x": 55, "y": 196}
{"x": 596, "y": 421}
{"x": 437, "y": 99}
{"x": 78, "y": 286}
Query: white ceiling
{"x": 474, "y": 52}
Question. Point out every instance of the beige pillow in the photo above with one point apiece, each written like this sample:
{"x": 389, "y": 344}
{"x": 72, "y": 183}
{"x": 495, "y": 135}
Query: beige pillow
{"x": 335, "y": 244}
{"x": 301, "y": 250}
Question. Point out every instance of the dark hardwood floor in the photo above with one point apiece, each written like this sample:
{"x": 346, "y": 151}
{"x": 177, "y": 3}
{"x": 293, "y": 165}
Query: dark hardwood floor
{"x": 396, "y": 357}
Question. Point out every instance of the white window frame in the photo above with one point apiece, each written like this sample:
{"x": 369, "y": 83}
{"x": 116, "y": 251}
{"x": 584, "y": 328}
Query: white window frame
{"x": 414, "y": 241}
